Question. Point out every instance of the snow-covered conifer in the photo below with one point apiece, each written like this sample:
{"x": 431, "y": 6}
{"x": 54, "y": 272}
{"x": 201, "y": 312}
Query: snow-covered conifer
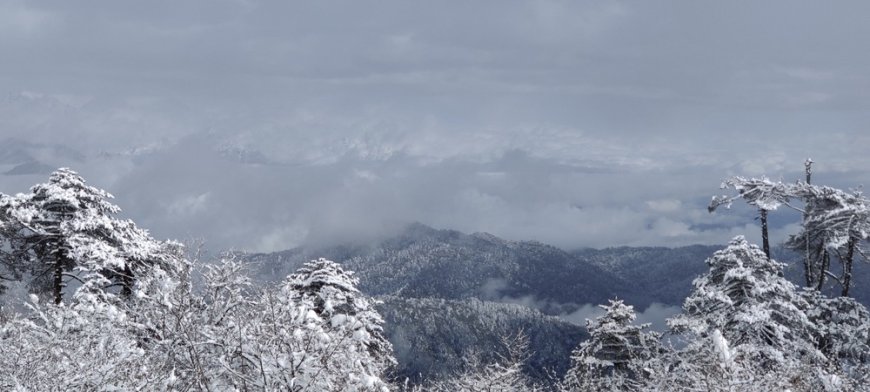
{"x": 319, "y": 333}
{"x": 835, "y": 223}
{"x": 843, "y": 327}
{"x": 65, "y": 229}
{"x": 616, "y": 356}
{"x": 758, "y": 311}
{"x": 748, "y": 329}
{"x": 762, "y": 193}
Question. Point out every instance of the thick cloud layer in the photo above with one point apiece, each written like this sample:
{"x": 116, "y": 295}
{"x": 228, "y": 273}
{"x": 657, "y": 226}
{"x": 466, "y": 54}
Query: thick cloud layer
{"x": 264, "y": 125}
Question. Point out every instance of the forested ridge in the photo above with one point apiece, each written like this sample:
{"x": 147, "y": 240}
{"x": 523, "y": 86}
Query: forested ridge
{"x": 109, "y": 307}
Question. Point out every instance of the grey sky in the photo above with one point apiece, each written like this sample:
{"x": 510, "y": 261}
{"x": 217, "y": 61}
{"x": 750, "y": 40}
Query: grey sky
{"x": 264, "y": 125}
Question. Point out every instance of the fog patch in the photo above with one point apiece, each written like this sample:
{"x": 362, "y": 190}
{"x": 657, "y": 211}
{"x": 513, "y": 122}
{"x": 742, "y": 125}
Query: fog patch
{"x": 15, "y": 296}
{"x": 492, "y": 288}
{"x": 533, "y": 302}
{"x": 401, "y": 341}
{"x": 656, "y": 314}
{"x": 584, "y": 313}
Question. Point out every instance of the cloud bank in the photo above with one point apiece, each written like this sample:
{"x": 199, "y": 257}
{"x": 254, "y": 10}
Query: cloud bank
{"x": 265, "y": 125}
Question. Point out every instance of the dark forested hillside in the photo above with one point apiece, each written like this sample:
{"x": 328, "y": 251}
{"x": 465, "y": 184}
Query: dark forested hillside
{"x": 663, "y": 274}
{"x": 424, "y": 262}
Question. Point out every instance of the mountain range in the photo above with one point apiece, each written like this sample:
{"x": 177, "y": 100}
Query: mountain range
{"x": 447, "y": 294}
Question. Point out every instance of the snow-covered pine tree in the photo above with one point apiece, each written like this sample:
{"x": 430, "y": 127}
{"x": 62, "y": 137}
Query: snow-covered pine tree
{"x": 762, "y": 193}
{"x": 319, "y": 333}
{"x": 65, "y": 229}
{"x": 758, "y": 311}
{"x": 843, "y": 327}
{"x": 835, "y": 223}
{"x": 616, "y": 356}
{"x": 335, "y": 297}
{"x": 49, "y": 217}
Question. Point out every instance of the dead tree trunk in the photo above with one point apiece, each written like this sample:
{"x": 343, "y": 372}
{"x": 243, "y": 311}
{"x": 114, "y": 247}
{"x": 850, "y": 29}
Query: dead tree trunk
{"x": 847, "y": 266}
{"x": 826, "y": 263}
{"x": 765, "y": 238}
{"x": 808, "y": 268}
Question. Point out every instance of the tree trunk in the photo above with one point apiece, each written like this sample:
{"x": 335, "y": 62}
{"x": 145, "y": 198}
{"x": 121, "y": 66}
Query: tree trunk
{"x": 808, "y": 268}
{"x": 847, "y": 266}
{"x": 127, "y": 281}
{"x": 765, "y": 239}
{"x": 57, "y": 285}
{"x": 808, "y": 271}
{"x": 826, "y": 263}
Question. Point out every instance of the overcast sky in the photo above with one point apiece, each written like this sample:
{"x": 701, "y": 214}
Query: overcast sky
{"x": 266, "y": 125}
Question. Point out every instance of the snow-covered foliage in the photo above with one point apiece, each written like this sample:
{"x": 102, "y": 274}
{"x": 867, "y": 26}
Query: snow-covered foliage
{"x": 839, "y": 214}
{"x": 759, "y": 192}
{"x": 505, "y": 374}
{"x": 228, "y": 336}
{"x": 86, "y": 346}
{"x": 616, "y": 357}
{"x": 710, "y": 364}
{"x": 843, "y": 328}
{"x": 324, "y": 287}
{"x": 748, "y": 328}
{"x": 319, "y": 333}
{"x": 234, "y": 337}
{"x": 199, "y": 339}
{"x": 316, "y": 332}
{"x": 835, "y": 222}
{"x": 745, "y": 297}
{"x": 66, "y": 230}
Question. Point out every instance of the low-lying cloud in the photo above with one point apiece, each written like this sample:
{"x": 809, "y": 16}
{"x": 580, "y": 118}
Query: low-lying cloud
{"x": 266, "y": 125}
{"x": 193, "y": 188}
{"x": 656, "y": 315}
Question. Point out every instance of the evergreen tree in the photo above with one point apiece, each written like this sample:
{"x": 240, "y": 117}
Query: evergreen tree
{"x": 835, "y": 223}
{"x": 319, "y": 333}
{"x": 843, "y": 328}
{"x": 762, "y": 193}
{"x": 331, "y": 292}
{"x": 759, "y": 312}
{"x": 66, "y": 230}
{"x": 616, "y": 356}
